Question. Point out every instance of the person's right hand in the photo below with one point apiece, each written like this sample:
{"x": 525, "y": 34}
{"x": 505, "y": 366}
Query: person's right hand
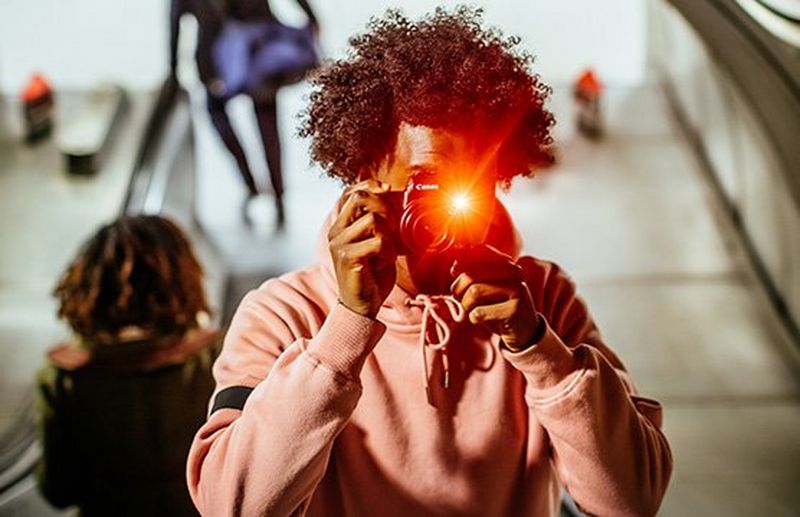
{"x": 216, "y": 87}
{"x": 363, "y": 249}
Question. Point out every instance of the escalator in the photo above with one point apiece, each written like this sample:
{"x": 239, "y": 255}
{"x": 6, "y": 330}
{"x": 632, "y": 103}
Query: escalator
{"x": 731, "y": 72}
{"x": 166, "y": 146}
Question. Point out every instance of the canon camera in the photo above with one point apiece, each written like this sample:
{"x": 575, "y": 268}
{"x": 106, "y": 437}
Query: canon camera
{"x": 436, "y": 217}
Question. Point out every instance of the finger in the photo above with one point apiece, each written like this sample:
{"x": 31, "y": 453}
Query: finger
{"x": 360, "y": 252}
{"x": 498, "y": 273}
{"x": 368, "y": 225}
{"x": 486, "y": 294}
{"x": 355, "y": 206}
{"x": 368, "y": 185}
{"x": 344, "y": 214}
{"x": 388, "y": 254}
{"x": 359, "y": 202}
{"x": 494, "y": 316}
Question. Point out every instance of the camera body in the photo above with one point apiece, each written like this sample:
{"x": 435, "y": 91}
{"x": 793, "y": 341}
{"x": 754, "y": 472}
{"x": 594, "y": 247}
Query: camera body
{"x": 438, "y": 217}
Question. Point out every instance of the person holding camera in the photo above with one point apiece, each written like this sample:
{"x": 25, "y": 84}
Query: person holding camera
{"x": 424, "y": 366}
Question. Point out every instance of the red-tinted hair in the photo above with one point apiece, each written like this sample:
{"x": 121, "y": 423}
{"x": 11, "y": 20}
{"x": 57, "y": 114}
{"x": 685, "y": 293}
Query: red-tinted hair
{"x": 135, "y": 272}
{"x": 443, "y": 71}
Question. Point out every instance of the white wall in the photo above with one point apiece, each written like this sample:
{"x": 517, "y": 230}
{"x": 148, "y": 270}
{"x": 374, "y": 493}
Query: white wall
{"x": 565, "y": 35}
{"x": 80, "y": 42}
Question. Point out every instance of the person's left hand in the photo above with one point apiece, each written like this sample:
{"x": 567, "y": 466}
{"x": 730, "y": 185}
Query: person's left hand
{"x": 491, "y": 288}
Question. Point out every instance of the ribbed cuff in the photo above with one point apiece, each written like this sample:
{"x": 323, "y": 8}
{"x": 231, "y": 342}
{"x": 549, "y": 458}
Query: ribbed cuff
{"x": 545, "y": 364}
{"x": 345, "y": 340}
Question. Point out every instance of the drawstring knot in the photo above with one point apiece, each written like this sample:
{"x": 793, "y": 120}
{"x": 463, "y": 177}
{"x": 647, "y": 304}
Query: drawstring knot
{"x": 429, "y": 306}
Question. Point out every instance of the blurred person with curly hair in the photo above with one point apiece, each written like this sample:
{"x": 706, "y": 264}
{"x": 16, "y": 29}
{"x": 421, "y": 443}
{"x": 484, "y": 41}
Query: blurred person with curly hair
{"x": 424, "y": 366}
{"x": 119, "y": 404}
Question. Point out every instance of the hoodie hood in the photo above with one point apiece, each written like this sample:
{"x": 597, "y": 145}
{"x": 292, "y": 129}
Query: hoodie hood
{"x": 134, "y": 356}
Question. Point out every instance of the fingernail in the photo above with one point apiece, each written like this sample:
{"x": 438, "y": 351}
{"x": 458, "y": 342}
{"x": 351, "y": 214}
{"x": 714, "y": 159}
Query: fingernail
{"x": 475, "y": 316}
{"x": 453, "y": 270}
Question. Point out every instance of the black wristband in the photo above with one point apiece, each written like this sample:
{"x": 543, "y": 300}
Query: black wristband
{"x": 538, "y": 334}
{"x": 232, "y": 397}
{"x": 540, "y": 330}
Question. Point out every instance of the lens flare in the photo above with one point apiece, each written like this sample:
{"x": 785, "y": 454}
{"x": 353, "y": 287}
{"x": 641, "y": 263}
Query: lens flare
{"x": 460, "y": 202}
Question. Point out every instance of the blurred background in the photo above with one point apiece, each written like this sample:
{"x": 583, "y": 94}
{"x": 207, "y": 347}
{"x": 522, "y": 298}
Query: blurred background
{"x": 675, "y": 202}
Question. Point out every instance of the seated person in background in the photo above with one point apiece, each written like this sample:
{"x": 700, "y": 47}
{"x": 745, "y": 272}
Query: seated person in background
{"x": 119, "y": 404}
{"x": 423, "y": 366}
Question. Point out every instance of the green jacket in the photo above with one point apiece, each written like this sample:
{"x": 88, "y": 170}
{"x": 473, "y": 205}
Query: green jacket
{"x": 116, "y": 424}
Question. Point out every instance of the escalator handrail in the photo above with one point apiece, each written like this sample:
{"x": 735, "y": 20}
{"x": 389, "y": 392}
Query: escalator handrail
{"x": 165, "y": 103}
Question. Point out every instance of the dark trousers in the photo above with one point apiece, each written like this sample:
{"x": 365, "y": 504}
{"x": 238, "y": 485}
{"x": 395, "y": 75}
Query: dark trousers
{"x": 267, "y": 117}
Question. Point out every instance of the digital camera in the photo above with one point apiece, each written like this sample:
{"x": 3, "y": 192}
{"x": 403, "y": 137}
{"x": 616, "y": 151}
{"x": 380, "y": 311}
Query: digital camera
{"x": 435, "y": 217}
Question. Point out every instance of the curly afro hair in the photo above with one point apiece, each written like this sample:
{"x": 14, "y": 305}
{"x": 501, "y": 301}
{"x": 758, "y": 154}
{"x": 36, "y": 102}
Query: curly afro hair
{"x": 443, "y": 71}
{"x": 135, "y": 272}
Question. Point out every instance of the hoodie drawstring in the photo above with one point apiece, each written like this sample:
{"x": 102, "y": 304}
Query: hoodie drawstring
{"x": 429, "y": 305}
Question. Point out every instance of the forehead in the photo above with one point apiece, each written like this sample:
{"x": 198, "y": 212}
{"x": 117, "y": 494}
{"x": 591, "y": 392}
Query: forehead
{"x": 422, "y": 146}
{"x": 438, "y": 151}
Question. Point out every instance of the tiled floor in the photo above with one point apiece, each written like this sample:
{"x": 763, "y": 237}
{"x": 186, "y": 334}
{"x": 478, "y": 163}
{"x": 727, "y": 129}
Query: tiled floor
{"x": 696, "y": 340}
{"x": 633, "y": 221}
{"x": 734, "y": 457}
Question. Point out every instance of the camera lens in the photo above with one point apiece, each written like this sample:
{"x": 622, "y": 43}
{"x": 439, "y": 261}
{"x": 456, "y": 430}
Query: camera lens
{"x": 424, "y": 228}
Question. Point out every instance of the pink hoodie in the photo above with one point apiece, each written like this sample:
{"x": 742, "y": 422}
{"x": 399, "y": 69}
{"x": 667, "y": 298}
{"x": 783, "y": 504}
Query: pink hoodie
{"x": 320, "y": 411}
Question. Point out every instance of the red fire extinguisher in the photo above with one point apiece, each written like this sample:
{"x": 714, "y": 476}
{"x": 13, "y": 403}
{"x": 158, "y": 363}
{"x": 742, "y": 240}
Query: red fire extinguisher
{"x": 588, "y": 93}
{"x": 37, "y": 107}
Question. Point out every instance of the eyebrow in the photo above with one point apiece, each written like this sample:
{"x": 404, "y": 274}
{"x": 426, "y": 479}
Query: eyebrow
{"x": 419, "y": 169}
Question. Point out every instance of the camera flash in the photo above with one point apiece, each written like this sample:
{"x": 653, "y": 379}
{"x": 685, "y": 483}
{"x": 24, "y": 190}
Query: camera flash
{"x": 460, "y": 202}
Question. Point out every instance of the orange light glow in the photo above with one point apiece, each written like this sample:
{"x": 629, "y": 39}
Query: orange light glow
{"x": 460, "y": 201}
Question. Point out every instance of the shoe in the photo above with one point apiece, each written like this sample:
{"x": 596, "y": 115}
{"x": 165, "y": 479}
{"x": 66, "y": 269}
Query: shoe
{"x": 258, "y": 216}
{"x": 247, "y": 219}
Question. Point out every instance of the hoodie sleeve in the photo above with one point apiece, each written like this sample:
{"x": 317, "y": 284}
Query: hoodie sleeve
{"x": 267, "y": 456}
{"x": 607, "y": 446}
